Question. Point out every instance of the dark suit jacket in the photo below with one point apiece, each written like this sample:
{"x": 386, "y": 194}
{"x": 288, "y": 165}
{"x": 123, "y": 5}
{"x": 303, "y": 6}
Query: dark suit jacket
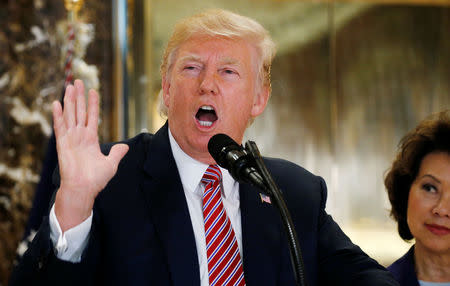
{"x": 403, "y": 269}
{"x": 142, "y": 233}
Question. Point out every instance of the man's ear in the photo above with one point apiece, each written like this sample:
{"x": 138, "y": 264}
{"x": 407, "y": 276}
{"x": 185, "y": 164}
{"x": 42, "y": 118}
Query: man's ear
{"x": 260, "y": 101}
{"x": 165, "y": 88}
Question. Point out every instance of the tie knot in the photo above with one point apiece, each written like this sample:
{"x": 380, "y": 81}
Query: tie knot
{"x": 212, "y": 175}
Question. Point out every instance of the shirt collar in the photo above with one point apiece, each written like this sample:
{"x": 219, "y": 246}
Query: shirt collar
{"x": 191, "y": 171}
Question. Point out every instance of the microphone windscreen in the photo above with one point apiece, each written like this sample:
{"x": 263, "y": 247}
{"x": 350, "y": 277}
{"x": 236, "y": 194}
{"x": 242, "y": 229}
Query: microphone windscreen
{"x": 220, "y": 143}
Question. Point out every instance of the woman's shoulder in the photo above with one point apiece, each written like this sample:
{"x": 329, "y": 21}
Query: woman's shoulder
{"x": 403, "y": 269}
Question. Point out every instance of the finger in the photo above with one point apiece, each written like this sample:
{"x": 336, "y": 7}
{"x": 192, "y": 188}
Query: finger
{"x": 93, "y": 110}
{"x": 116, "y": 154}
{"x": 58, "y": 120}
{"x": 80, "y": 103}
{"x": 69, "y": 106}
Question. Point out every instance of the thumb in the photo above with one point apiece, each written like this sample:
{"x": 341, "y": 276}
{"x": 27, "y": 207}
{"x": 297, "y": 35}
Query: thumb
{"x": 116, "y": 154}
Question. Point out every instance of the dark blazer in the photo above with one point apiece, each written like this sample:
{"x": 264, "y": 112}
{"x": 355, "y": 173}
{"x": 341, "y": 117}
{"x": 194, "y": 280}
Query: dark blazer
{"x": 403, "y": 269}
{"x": 142, "y": 233}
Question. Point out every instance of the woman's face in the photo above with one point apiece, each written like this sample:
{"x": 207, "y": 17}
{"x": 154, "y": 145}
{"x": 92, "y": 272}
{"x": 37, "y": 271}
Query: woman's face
{"x": 428, "y": 214}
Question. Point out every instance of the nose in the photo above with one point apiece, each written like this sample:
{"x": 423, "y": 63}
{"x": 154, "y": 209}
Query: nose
{"x": 442, "y": 207}
{"x": 208, "y": 83}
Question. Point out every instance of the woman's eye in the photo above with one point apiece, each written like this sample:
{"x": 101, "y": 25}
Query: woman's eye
{"x": 429, "y": 188}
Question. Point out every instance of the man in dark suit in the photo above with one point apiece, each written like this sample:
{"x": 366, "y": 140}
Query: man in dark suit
{"x": 156, "y": 210}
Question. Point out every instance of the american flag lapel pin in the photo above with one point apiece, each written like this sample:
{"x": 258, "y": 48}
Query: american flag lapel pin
{"x": 265, "y": 199}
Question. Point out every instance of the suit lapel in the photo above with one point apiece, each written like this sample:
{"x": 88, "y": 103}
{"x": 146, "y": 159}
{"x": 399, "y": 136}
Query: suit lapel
{"x": 169, "y": 211}
{"x": 260, "y": 238}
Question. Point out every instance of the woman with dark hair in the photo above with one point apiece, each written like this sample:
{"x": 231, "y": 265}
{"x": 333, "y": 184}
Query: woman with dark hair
{"x": 418, "y": 185}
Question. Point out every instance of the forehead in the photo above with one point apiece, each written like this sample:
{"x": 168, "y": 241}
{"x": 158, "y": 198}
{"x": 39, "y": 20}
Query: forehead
{"x": 436, "y": 163}
{"x": 223, "y": 50}
{"x": 431, "y": 159}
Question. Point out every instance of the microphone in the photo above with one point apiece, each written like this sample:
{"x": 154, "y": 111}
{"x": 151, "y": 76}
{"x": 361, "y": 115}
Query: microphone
{"x": 245, "y": 167}
{"x": 233, "y": 157}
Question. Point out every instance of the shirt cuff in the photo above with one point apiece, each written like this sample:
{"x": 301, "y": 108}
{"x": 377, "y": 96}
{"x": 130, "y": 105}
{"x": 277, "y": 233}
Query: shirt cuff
{"x": 69, "y": 245}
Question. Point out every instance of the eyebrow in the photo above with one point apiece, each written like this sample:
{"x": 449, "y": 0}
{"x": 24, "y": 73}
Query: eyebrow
{"x": 190, "y": 58}
{"x": 224, "y": 61}
{"x": 431, "y": 176}
{"x": 230, "y": 61}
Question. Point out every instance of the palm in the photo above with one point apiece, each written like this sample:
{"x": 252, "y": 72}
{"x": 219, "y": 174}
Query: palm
{"x": 84, "y": 170}
{"x": 82, "y": 165}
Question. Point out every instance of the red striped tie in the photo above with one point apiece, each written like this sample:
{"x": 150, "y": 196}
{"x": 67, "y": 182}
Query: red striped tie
{"x": 224, "y": 260}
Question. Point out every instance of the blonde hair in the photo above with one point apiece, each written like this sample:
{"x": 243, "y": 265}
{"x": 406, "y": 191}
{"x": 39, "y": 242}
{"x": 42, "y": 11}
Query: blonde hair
{"x": 220, "y": 23}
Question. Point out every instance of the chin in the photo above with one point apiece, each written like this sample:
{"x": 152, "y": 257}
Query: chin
{"x": 202, "y": 140}
{"x": 436, "y": 246}
{"x": 201, "y": 145}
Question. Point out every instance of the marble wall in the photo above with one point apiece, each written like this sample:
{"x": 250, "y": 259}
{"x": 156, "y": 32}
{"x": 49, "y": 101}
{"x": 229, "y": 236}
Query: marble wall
{"x": 31, "y": 77}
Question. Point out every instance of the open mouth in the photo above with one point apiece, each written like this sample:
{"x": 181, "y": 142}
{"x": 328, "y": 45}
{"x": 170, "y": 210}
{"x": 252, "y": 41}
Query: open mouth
{"x": 206, "y": 115}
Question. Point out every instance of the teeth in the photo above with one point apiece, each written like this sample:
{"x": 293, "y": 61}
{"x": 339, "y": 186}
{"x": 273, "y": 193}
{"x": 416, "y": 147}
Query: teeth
{"x": 205, "y": 123}
{"x": 207, "y": 107}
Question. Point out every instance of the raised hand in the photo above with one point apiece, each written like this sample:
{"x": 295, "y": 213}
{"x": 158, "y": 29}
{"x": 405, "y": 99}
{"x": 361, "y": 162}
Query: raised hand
{"x": 84, "y": 170}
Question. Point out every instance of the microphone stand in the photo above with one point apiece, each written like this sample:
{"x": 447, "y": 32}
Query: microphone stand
{"x": 275, "y": 193}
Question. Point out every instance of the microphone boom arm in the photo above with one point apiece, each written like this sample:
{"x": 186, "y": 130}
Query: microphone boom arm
{"x": 275, "y": 193}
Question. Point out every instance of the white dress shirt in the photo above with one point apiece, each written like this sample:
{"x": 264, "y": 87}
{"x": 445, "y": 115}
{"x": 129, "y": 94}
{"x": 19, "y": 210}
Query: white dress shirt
{"x": 70, "y": 245}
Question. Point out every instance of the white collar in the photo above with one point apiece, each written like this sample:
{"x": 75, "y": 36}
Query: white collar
{"x": 191, "y": 171}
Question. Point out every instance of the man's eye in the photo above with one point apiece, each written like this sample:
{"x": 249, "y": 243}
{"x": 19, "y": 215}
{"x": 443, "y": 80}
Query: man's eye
{"x": 229, "y": 72}
{"x": 189, "y": 67}
{"x": 429, "y": 188}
